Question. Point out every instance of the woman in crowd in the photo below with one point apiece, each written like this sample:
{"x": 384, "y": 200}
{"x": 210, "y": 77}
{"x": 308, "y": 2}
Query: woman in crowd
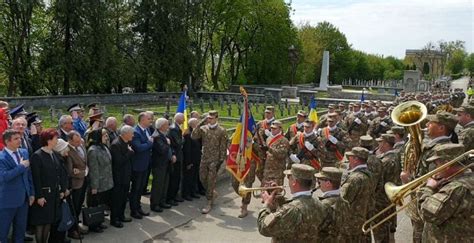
{"x": 50, "y": 183}
{"x": 100, "y": 172}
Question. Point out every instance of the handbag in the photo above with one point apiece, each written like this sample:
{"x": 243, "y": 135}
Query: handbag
{"x": 92, "y": 216}
{"x": 67, "y": 219}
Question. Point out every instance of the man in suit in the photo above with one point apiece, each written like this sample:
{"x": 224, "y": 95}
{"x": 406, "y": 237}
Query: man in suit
{"x": 121, "y": 152}
{"x": 142, "y": 144}
{"x": 65, "y": 126}
{"x": 111, "y": 127}
{"x": 16, "y": 187}
{"x": 19, "y": 124}
{"x": 176, "y": 137}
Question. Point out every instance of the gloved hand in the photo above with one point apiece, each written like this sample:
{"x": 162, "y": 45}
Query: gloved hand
{"x": 332, "y": 139}
{"x": 268, "y": 133}
{"x": 384, "y": 124}
{"x": 358, "y": 121}
{"x": 294, "y": 158}
{"x": 308, "y": 145}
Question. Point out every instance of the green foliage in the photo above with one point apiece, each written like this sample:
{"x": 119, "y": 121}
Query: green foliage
{"x": 456, "y": 62}
{"x": 469, "y": 63}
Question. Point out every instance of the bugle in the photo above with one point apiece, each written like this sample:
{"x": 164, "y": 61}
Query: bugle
{"x": 243, "y": 190}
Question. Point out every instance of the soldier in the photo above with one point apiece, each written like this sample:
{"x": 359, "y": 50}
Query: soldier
{"x": 356, "y": 124}
{"x": 248, "y": 181}
{"x": 299, "y": 219}
{"x": 400, "y": 141}
{"x": 304, "y": 147}
{"x": 446, "y": 203}
{"x": 323, "y": 118}
{"x": 333, "y": 144}
{"x": 350, "y": 107}
{"x": 439, "y": 127}
{"x": 465, "y": 115}
{"x": 390, "y": 173}
{"x": 277, "y": 154}
{"x": 329, "y": 181}
{"x": 259, "y": 146}
{"x": 298, "y": 126}
{"x": 368, "y": 112}
{"x": 380, "y": 124}
{"x": 356, "y": 190}
{"x": 337, "y": 117}
{"x": 214, "y": 148}
{"x": 342, "y": 111}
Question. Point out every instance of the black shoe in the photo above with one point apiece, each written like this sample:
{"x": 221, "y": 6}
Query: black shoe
{"x": 116, "y": 224}
{"x": 165, "y": 205}
{"x": 172, "y": 203}
{"x": 136, "y": 215}
{"x": 140, "y": 211}
{"x": 187, "y": 198}
{"x": 96, "y": 229}
{"x": 103, "y": 226}
{"x": 27, "y": 238}
{"x": 106, "y": 214}
{"x": 202, "y": 193}
{"x": 156, "y": 209}
{"x": 146, "y": 192}
{"x": 125, "y": 220}
{"x": 179, "y": 199}
{"x": 195, "y": 196}
{"x": 75, "y": 235}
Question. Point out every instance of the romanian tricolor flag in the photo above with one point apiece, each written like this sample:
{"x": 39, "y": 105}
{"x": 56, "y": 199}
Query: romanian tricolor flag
{"x": 182, "y": 109}
{"x": 313, "y": 115}
{"x": 240, "y": 149}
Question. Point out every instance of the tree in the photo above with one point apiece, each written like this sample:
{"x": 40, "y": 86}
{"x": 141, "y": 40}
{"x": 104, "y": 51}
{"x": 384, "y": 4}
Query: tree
{"x": 469, "y": 63}
{"x": 455, "y": 63}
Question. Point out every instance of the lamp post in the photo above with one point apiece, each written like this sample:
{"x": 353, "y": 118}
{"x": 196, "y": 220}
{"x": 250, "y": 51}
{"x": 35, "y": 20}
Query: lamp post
{"x": 293, "y": 57}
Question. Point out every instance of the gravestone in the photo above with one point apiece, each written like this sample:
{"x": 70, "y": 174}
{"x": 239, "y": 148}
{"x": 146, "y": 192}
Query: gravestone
{"x": 410, "y": 80}
{"x": 124, "y": 110}
{"x": 229, "y": 110}
{"x": 323, "y": 81}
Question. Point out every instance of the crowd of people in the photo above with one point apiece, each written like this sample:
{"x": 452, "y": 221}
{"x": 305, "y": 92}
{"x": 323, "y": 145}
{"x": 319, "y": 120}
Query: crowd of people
{"x": 348, "y": 155}
{"x": 101, "y": 164}
{"x": 337, "y": 169}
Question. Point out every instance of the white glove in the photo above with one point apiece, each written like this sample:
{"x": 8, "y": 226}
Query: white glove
{"x": 87, "y": 171}
{"x": 268, "y": 133}
{"x": 332, "y": 139}
{"x": 294, "y": 158}
{"x": 308, "y": 145}
{"x": 383, "y": 124}
{"x": 358, "y": 121}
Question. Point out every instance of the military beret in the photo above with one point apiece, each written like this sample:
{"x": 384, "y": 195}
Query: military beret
{"x": 390, "y": 138}
{"x": 329, "y": 173}
{"x": 302, "y": 113}
{"x": 213, "y": 113}
{"x": 301, "y": 171}
{"x": 444, "y": 118}
{"x": 366, "y": 140}
{"x": 446, "y": 152}
{"x": 269, "y": 109}
{"x": 398, "y": 130}
{"x": 360, "y": 152}
{"x": 276, "y": 124}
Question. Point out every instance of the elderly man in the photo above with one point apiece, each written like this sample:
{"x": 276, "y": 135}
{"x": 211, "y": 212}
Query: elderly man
{"x": 128, "y": 119}
{"x": 19, "y": 124}
{"x": 122, "y": 153}
{"x": 111, "y": 127}
{"x": 177, "y": 141}
{"x": 65, "y": 126}
{"x": 77, "y": 114}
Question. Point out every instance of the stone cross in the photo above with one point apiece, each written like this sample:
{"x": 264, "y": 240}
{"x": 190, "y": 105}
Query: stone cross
{"x": 229, "y": 110}
{"x": 52, "y": 112}
{"x": 124, "y": 110}
{"x": 201, "y": 105}
{"x": 167, "y": 106}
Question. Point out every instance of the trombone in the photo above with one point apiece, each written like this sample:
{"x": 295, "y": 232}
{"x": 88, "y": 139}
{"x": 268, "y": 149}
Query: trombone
{"x": 396, "y": 194}
{"x": 244, "y": 191}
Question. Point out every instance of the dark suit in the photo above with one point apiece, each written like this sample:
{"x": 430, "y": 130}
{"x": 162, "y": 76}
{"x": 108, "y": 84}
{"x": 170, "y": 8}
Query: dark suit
{"x": 192, "y": 157}
{"x": 160, "y": 168}
{"x": 140, "y": 164}
{"x": 16, "y": 186}
{"x": 176, "y": 137}
{"x": 62, "y": 135}
{"x": 26, "y": 144}
{"x": 121, "y": 171}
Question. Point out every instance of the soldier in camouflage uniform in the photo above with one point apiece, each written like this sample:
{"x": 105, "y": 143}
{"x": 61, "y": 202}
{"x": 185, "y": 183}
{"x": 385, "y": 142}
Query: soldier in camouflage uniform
{"x": 368, "y": 112}
{"x": 329, "y": 181}
{"x": 356, "y": 124}
{"x": 323, "y": 118}
{"x": 380, "y": 124}
{"x": 248, "y": 181}
{"x": 446, "y": 203}
{"x": 374, "y": 164}
{"x": 299, "y": 219}
{"x": 304, "y": 147}
{"x": 342, "y": 111}
{"x": 356, "y": 189}
{"x": 400, "y": 141}
{"x": 293, "y": 129}
{"x": 390, "y": 173}
{"x": 259, "y": 147}
{"x": 277, "y": 155}
{"x": 466, "y": 120}
{"x": 439, "y": 127}
{"x": 214, "y": 152}
{"x": 333, "y": 144}
{"x": 337, "y": 117}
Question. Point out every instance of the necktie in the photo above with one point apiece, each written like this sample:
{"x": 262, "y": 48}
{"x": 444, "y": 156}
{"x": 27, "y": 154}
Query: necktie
{"x": 17, "y": 157}
{"x": 80, "y": 152}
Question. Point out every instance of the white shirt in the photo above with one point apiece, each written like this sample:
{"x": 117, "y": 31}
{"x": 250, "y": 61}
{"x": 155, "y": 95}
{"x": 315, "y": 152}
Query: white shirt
{"x": 302, "y": 193}
{"x": 146, "y": 131}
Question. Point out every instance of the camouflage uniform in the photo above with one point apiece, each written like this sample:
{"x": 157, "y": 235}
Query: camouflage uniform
{"x": 379, "y": 126}
{"x": 293, "y": 130}
{"x": 466, "y": 134}
{"x": 277, "y": 156}
{"x": 248, "y": 181}
{"x": 297, "y": 147}
{"x": 448, "y": 210}
{"x": 299, "y": 219}
{"x": 331, "y": 154}
{"x": 354, "y": 129}
{"x": 259, "y": 147}
{"x": 214, "y": 152}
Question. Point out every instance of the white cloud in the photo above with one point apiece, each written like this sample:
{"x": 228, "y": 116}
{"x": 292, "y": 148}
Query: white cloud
{"x": 389, "y": 27}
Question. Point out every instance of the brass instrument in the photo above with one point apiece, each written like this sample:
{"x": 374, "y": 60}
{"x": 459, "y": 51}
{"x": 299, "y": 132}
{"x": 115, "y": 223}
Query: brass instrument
{"x": 396, "y": 194}
{"x": 409, "y": 115}
{"x": 243, "y": 190}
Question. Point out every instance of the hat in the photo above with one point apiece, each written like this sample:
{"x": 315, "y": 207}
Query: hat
{"x": 351, "y": 103}
{"x": 92, "y": 106}
{"x": 330, "y": 119}
{"x": 18, "y": 111}
{"x": 60, "y": 146}
{"x": 366, "y": 140}
{"x": 360, "y": 152}
{"x": 382, "y": 109}
{"x": 333, "y": 114}
{"x": 302, "y": 113}
{"x": 444, "y": 118}
{"x": 75, "y": 107}
{"x": 276, "y": 124}
{"x": 96, "y": 117}
{"x": 213, "y": 113}
{"x": 398, "y": 130}
{"x": 341, "y": 104}
{"x": 330, "y": 173}
{"x": 269, "y": 109}
{"x": 357, "y": 104}
{"x": 390, "y": 138}
{"x": 447, "y": 151}
{"x": 469, "y": 109}
{"x": 331, "y": 106}
{"x": 301, "y": 171}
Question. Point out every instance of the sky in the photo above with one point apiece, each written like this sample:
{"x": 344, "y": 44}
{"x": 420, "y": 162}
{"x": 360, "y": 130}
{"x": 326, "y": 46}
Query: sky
{"x": 389, "y": 27}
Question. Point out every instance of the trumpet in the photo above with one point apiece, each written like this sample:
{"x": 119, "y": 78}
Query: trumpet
{"x": 396, "y": 194}
{"x": 244, "y": 191}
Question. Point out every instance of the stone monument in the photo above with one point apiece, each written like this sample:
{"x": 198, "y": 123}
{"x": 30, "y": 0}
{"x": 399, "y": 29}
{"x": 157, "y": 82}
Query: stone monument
{"x": 323, "y": 82}
{"x": 410, "y": 80}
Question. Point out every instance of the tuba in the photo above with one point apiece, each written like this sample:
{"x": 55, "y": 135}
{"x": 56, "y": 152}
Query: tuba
{"x": 409, "y": 115}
